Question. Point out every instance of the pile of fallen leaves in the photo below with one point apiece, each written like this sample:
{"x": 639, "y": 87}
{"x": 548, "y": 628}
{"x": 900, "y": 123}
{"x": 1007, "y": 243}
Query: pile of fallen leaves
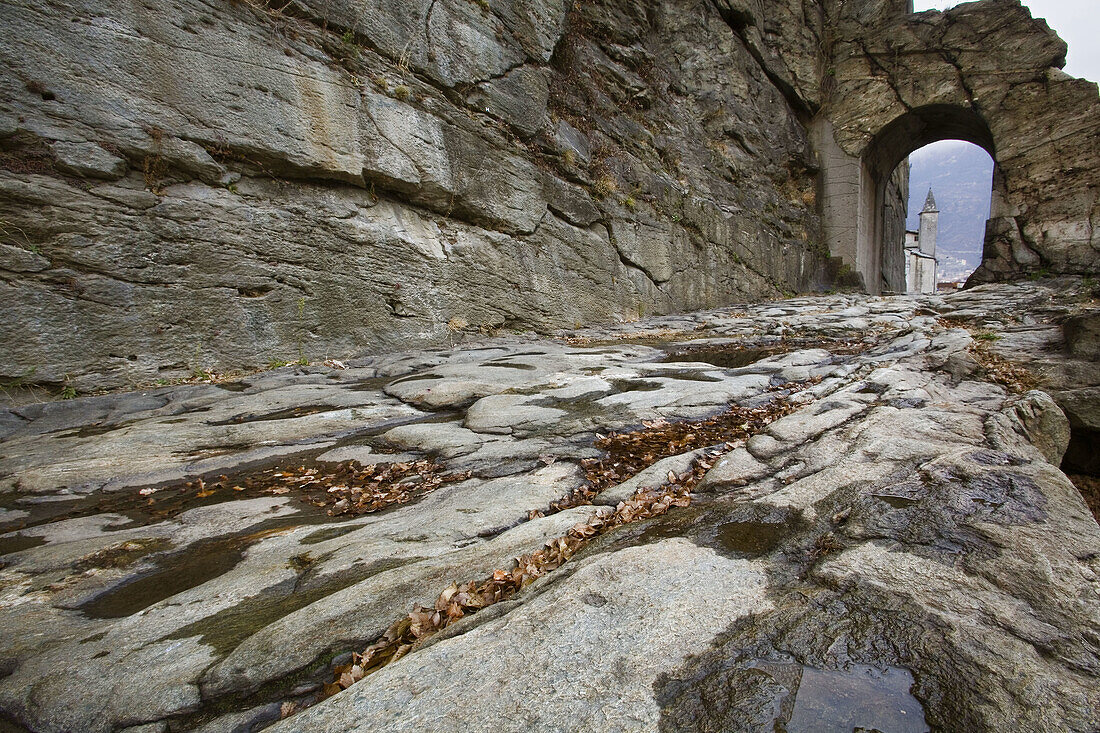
{"x": 351, "y": 488}
{"x": 627, "y": 454}
{"x": 996, "y": 368}
{"x": 344, "y": 488}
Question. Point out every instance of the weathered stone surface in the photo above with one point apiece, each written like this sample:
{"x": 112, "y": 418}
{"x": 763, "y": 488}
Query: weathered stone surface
{"x": 87, "y": 160}
{"x": 1083, "y": 335}
{"x": 588, "y": 622}
{"x": 293, "y": 183}
{"x": 340, "y": 176}
{"x": 904, "y": 534}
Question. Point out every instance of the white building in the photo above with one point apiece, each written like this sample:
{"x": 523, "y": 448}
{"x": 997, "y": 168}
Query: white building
{"x": 920, "y": 250}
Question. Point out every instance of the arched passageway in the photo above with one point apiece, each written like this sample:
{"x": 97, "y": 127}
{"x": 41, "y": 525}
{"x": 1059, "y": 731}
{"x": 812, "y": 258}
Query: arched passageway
{"x": 983, "y": 72}
{"x": 950, "y": 192}
{"x": 896, "y": 142}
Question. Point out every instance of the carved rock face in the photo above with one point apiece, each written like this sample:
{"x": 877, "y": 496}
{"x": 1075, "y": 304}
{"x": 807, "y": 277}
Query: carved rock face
{"x": 217, "y": 187}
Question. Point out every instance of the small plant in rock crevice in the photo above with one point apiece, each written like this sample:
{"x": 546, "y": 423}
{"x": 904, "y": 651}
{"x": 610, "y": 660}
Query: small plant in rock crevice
{"x": 604, "y": 186}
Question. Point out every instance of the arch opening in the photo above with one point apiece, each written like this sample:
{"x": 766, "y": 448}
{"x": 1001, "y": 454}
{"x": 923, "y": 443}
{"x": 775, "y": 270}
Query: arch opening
{"x": 888, "y": 181}
{"x": 958, "y": 177}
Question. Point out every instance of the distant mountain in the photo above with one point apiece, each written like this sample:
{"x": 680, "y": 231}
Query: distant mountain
{"x": 961, "y": 177}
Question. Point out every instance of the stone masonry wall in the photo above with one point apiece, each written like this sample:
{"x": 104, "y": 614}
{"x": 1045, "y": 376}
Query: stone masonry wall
{"x": 215, "y": 184}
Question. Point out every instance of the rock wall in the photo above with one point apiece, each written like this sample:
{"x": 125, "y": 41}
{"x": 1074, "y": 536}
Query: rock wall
{"x": 217, "y": 184}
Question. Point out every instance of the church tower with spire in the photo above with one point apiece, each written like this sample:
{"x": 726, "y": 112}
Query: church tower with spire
{"x": 929, "y": 224}
{"x": 920, "y": 250}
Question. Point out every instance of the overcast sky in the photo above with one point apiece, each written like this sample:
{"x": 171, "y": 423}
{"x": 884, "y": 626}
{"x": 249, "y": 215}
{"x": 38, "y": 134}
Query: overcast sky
{"x": 1076, "y": 21}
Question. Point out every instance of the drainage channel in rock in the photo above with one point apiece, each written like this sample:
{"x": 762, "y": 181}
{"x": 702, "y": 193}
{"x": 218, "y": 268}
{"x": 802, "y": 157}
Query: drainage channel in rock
{"x": 736, "y": 355}
{"x": 225, "y": 630}
{"x": 286, "y": 414}
{"x": 367, "y": 487}
{"x": 627, "y": 454}
{"x": 347, "y": 488}
{"x": 177, "y": 572}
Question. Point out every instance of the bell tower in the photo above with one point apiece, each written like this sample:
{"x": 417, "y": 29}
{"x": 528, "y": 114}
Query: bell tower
{"x": 929, "y": 225}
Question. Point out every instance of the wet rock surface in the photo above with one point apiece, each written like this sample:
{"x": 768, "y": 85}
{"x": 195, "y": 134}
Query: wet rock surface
{"x": 894, "y": 549}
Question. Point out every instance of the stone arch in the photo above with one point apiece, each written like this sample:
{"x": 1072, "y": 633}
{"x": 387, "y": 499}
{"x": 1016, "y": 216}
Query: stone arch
{"x": 893, "y": 144}
{"x": 985, "y": 72}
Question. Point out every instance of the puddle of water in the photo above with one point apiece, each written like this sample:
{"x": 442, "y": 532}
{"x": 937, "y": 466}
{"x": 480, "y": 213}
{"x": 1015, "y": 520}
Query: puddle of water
{"x": 504, "y": 365}
{"x": 726, "y": 357}
{"x": 686, "y": 374}
{"x": 374, "y": 384}
{"x": 859, "y": 698}
{"x": 176, "y": 573}
{"x": 226, "y": 629}
{"x": 898, "y": 502}
{"x": 416, "y": 378}
{"x": 329, "y": 533}
{"x": 232, "y": 386}
{"x": 19, "y": 542}
{"x": 211, "y": 451}
{"x": 751, "y": 538}
{"x": 290, "y": 412}
{"x": 124, "y": 555}
{"x": 674, "y": 524}
{"x": 90, "y": 431}
{"x": 200, "y": 563}
{"x": 635, "y": 385}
